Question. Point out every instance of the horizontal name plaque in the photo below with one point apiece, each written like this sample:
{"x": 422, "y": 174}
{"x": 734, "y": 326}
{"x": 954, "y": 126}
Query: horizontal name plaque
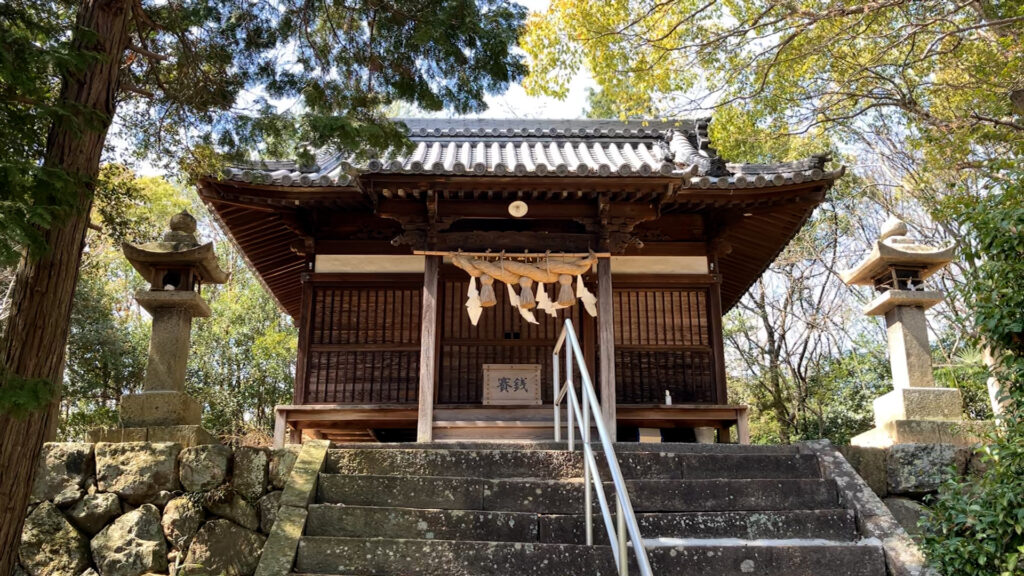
{"x": 512, "y": 384}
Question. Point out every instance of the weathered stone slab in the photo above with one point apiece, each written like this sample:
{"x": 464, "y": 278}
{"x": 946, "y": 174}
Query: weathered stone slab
{"x": 137, "y": 471}
{"x": 279, "y": 550}
{"x": 943, "y": 404}
{"x": 748, "y": 466}
{"x": 918, "y": 469}
{"x": 379, "y": 522}
{"x": 62, "y": 465}
{"x": 160, "y": 408}
{"x": 181, "y": 520}
{"x": 50, "y": 545}
{"x": 281, "y": 462}
{"x": 186, "y": 435}
{"x": 132, "y": 545}
{"x": 410, "y": 491}
{"x": 553, "y": 496}
{"x": 267, "y": 508}
{"x": 249, "y": 472}
{"x": 94, "y": 511}
{"x": 835, "y": 525}
{"x": 820, "y": 559}
{"x": 222, "y": 548}
{"x": 870, "y": 466}
{"x": 203, "y": 468}
{"x": 722, "y": 495}
{"x": 229, "y": 504}
{"x": 302, "y": 482}
{"x": 464, "y": 463}
{"x": 908, "y": 513}
{"x": 444, "y": 558}
{"x": 117, "y": 434}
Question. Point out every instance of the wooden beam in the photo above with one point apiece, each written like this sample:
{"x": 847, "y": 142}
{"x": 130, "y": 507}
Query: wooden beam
{"x": 428, "y": 350}
{"x": 606, "y": 343}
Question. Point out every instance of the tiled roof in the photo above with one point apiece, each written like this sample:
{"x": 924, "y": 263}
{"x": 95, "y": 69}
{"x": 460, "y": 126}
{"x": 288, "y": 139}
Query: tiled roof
{"x": 566, "y": 148}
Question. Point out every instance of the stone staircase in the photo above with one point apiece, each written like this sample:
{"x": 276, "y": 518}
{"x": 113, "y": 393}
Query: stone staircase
{"x": 516, "y": 509}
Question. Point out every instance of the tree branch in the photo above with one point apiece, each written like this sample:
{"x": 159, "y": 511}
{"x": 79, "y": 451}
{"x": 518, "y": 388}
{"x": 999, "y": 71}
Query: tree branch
{"x": 148, "y": 53}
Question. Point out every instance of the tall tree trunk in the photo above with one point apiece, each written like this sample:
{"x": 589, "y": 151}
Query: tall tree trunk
{"x": 37, "y": 330}
{"x": 996, "y": 395}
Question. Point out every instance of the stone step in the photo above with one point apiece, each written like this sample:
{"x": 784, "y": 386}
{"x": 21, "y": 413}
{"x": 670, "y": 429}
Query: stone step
{"x": 380, "y": 522}
{"x": 329, "y": 555}
{"x": 559, "y": 464}
{"x": 566, "y": 496}
{"x": 835, "y": 525}
{"x": 620, "y": 447}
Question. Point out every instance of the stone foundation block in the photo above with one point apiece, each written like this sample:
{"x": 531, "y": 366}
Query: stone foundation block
{"x": 165, "y": 408}
{"x": 920, "y": 432}
{"x": 116, "y": 434}
{"x": 187, "y": 435}
{"x": 62, "y": 466}
{"x": 160, "y": 409}
{"x": 943, "y": 404}
{"x": 138, "y": 472}
{"x": 870, "y": 466}
{"x": 917, "y": 469}
{"x": 908, "y": 513}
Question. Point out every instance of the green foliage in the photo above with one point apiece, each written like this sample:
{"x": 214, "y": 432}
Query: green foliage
{"x": 835, "y": 404}
{"x": 977, "y": 527}
{"x": 243, "y": 356}
{"x": 20, "y": 396}
{"x": 34, "y": 52}
{"x": 205, "y": 79}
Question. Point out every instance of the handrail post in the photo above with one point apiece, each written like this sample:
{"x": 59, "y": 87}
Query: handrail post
{"x": 568, "y": 382}
{"x": 622, "y": 529}
{"x": 588, "y": 498}
{"x": 588, "y": 494}
{"x": 620, "y": 522}
{"x": 554, "y": 399}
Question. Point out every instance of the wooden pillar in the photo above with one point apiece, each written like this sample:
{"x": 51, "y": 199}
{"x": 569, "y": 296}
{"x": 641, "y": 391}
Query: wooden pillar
{"x": 428, "y": 350}
{"x": 305, "y": 336}
{"x": 606, "y": 343}
{"x": 717, "y": 340}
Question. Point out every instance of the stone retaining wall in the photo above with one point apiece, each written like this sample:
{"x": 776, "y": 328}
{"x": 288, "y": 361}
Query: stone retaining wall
{"x": 134, "y": 508}
{"x": 905, "y": 475}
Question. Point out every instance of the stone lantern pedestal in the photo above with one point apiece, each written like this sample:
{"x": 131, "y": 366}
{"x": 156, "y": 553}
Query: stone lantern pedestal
{"x": 176, "y": 267}
{"x": 916, "y": 411}
{"x": 163, "y": 401}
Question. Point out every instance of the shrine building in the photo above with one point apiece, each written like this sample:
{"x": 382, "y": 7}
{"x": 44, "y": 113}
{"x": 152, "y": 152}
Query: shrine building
{"x": 429, "y": 288}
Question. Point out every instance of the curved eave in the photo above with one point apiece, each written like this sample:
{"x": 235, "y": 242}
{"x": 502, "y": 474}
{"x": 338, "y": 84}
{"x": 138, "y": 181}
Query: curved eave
{"x": 202, "y": 257}
{"x": 259, "y": 234}
{"x": 763, "y": 223}
{"x": 883, "y": 256}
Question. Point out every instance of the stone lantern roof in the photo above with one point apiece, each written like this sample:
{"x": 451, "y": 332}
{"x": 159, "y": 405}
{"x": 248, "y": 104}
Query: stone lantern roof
{"x": 177, "y": 248}
{"x": 894, "y": 249}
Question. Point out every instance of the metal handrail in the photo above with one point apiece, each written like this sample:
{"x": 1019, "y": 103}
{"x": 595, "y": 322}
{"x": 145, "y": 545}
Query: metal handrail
{"x": 626, "y": 518}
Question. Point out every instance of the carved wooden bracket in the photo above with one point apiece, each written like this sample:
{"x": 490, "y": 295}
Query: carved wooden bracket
{"x": 618, "y": 220}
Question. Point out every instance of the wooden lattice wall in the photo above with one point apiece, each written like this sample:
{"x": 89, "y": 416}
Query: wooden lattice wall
{"x": 663, "y": 342}
{"x": 364, "y": 342}
{"x": 360, "y": 343}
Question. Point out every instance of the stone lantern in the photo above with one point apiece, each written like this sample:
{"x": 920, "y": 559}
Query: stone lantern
{"x": 916, "y": 411}
{"x": 176, "y": 267}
